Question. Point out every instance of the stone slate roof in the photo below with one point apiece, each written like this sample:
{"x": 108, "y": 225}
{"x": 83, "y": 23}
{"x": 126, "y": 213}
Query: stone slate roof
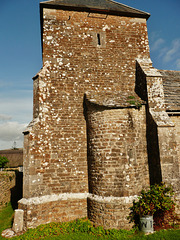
{"x": 107, "y": 6}
{"x": 109, "y": 99}
{"x": 171, "y": 84}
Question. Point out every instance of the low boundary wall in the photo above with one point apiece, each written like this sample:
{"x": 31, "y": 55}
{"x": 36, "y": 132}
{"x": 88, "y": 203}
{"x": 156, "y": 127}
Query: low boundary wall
{"x": 7, "y": 182}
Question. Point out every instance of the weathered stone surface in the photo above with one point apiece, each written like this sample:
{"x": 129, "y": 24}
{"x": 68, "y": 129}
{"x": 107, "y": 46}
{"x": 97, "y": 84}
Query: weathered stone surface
{"x": 110, "y": 212}
{"x": 18, "y": 220}
{"x": 74, "y": 62}
{"x": 53, "y": 208}
{"x": 7, "y": 182}
{"x": 8, "y": 233}
{"x": 108, "y": 142}
{"x": 162, "y": 127}
{"x": 117, "y": 156}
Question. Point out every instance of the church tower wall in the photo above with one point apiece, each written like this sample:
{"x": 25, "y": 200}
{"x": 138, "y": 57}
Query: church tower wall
{"x": 76, "y": 63}
{"x": 81, "y": 51}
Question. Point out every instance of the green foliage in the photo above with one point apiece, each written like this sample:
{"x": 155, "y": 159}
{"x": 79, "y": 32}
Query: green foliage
{"x": 80, "y": 229}
{"x": 83, "y": 229}
{"x": 3, "y": 162}
{"x": 131, "y": 97}
{"x": 156, "y": 201}
{"x": 74, "y": 236}
{"x": 159, "y": 235}
{"x": 136, "y": 103}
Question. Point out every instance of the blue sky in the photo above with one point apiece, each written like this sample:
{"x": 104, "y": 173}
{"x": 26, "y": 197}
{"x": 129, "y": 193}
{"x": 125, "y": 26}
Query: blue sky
{"x": 20, "y": 55}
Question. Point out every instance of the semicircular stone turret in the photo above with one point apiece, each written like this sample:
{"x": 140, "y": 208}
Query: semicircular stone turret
{"x": 117, "y": 158}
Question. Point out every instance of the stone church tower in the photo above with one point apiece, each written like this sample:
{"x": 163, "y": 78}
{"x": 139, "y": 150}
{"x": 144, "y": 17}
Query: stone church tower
{"x": 100, "y": 130}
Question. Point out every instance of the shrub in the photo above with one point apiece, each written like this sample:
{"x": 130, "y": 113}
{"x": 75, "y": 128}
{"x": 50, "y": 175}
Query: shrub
{"x": 156, "y": 201}
{"x": 3, "y": 161}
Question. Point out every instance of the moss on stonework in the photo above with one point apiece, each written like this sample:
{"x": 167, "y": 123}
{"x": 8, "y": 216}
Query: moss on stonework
{"x": 137, "y": 104}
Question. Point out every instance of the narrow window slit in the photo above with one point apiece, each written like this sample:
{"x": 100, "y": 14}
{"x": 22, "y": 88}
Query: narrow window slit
{"x": 98, "y": 38}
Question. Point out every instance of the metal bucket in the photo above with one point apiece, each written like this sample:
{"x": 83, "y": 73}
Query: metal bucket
{"x": 146, "y": 224}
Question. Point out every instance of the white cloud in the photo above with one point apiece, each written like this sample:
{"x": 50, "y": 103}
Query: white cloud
{"x": 154, "y": 36}
{"x": 172, "y": 51}
{"x": 11, "y": 144}
{"x": 11, "y": 132}
{"x": 166, "y": 53}
{"x": 4, "y": 117}
{"x": 162, "y": 52}
{"x": 15, "y": 114}
{"x": 20, "y": 109}
{"x": 157, "y": 44}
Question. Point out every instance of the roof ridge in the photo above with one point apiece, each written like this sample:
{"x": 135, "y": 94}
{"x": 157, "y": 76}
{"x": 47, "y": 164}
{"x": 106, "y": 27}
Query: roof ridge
{"x": 129, "y": 7}
{"x": 164, "y": 70}
{"x": 110, "y": 6}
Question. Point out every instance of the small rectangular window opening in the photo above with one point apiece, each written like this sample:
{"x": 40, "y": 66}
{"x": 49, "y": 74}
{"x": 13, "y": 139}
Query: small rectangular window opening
{"x": 99, "y": 39}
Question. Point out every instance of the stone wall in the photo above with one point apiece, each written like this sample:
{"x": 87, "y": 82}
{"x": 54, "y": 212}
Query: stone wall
{"x": 7, "y": 182}
{"x": 54, "y": 208}
{"x": 80, "y": 53}
{"x": 117, "y": 162}
{"x": 162, "y": 130}
{"x": 77, "y": 149}
{"x": 169, "y": 156}
{"x": 74, "y": 63}
{"x": 117, "y": 151}
{"x": 110, "y": 212}
{"x": 176, "y": 120}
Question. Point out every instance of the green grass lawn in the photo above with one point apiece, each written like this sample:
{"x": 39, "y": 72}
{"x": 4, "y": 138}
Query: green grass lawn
{"x": 6, "y": 217}
{"x": 81, "y": 229}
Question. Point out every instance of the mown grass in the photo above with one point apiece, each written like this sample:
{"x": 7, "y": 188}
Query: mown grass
{"x": 6, "y": 217}
{"x": 80, "y": 229}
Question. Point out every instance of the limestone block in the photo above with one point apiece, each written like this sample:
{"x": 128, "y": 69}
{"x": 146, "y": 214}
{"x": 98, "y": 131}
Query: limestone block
{"x": 18, "y": 220}
{"x": 8, "y": 233}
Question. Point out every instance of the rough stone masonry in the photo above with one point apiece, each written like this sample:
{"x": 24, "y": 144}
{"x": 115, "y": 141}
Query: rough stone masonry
{"x": 101, "y": 129}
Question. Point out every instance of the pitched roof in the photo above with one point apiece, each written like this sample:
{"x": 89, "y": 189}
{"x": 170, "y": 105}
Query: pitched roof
{"x": 107, "y": 6}
{"x": 15, "y": 157}
{"x": 171, "y": 84}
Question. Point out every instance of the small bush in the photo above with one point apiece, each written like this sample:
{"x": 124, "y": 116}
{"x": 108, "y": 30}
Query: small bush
{"x": 3, "y": 162}
{"x": 156, "y": 201}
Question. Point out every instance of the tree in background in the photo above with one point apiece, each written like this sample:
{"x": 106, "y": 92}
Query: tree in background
{"x": 3, "y": 162}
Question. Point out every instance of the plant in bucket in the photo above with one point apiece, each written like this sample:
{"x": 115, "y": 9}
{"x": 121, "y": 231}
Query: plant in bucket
{"x": 154, "y": 209}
